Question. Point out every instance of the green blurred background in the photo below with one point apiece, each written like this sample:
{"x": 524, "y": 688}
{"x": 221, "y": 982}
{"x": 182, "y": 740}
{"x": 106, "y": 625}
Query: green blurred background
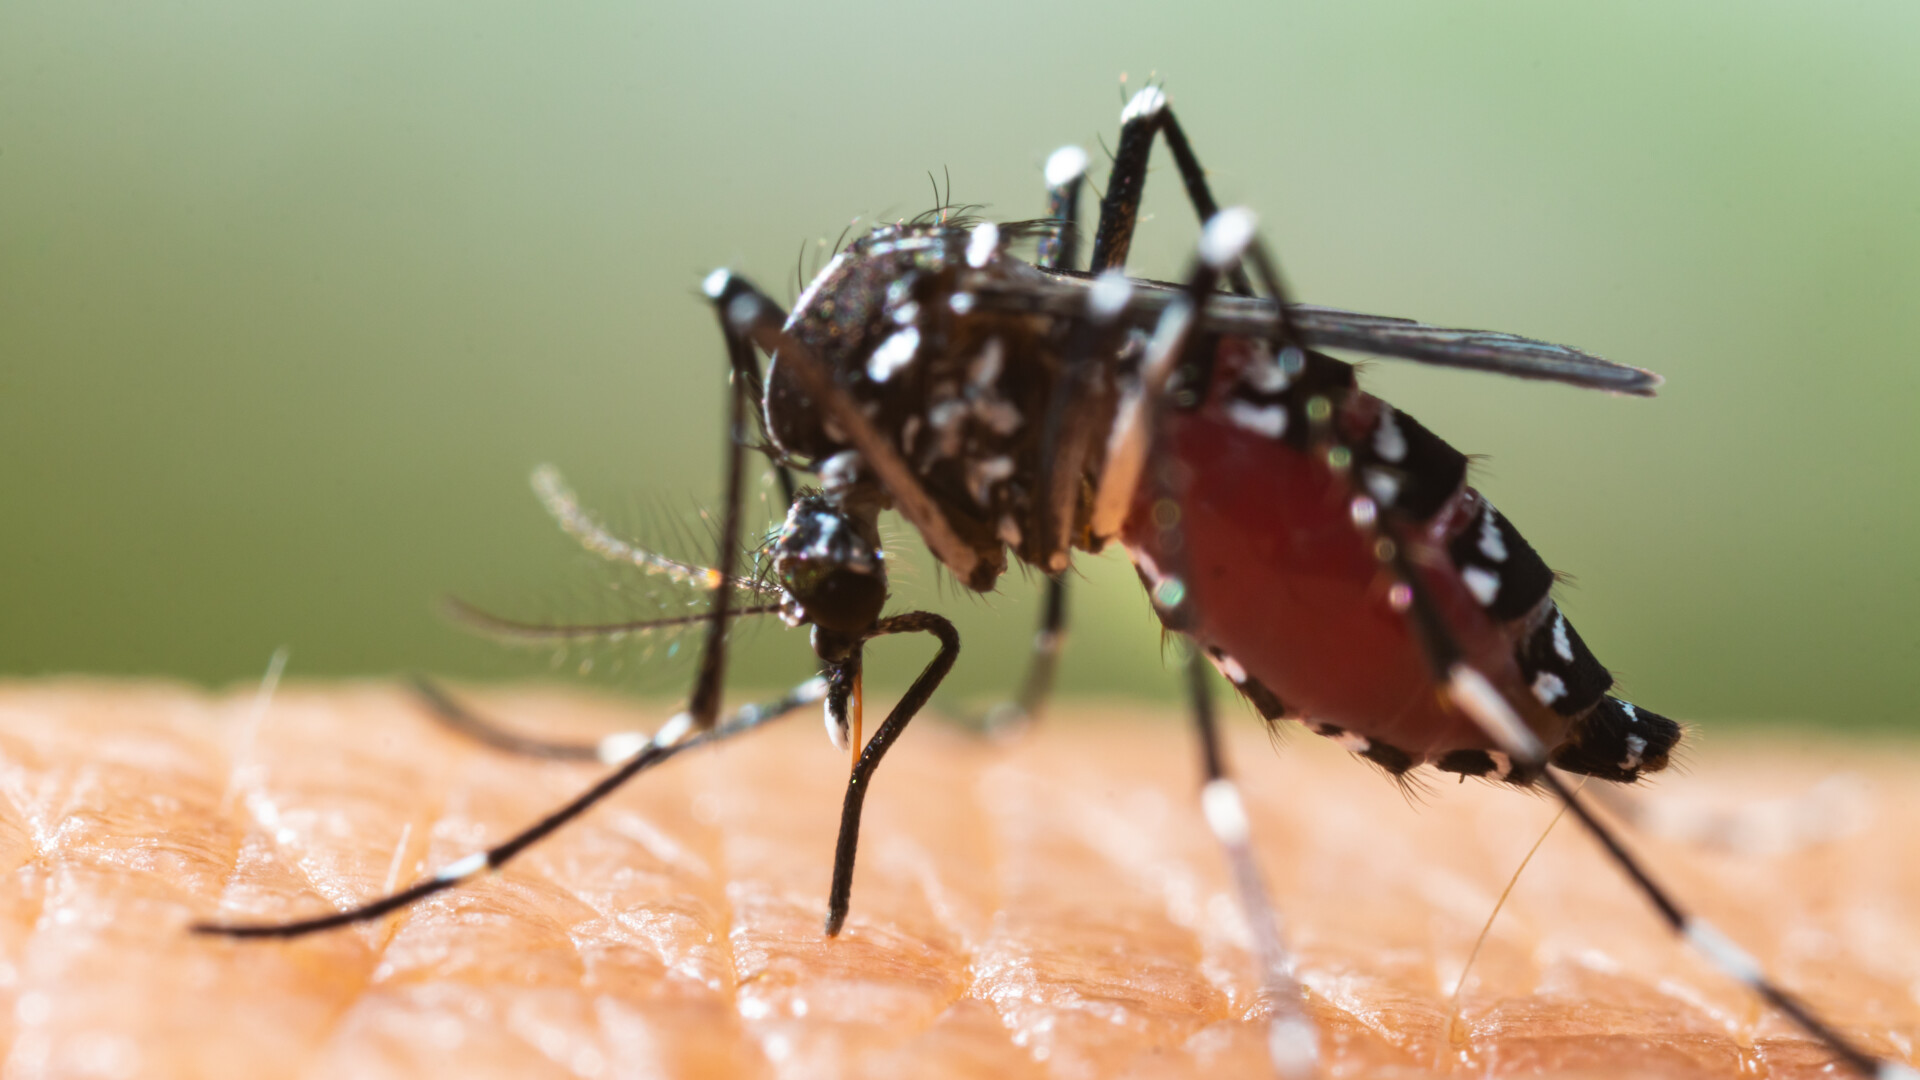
{"x": 293, "y": 296}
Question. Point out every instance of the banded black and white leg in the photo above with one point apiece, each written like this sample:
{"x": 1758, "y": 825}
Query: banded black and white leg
{"x": 1477, "y": 698}
{"x": 1148, "y": 115}
{"x": 611, "y": 749}
{"x": 1145, "y": 117}
{"x": 696, "y": 724}
{"x": 1292, "y": 1038}
{"x": 1060, "y": 446}
{"x": 1043, "y": 664}
{"x": 674, "y": 737}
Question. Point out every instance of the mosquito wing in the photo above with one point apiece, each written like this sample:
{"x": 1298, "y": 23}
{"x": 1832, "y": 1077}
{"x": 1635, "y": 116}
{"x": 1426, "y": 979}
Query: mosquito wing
{"x": 1064, "y": 293}
{"x": 1481, "y": 350}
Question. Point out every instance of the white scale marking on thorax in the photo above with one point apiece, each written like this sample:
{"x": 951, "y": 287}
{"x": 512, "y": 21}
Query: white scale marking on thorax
{"x": 893, "y": 354}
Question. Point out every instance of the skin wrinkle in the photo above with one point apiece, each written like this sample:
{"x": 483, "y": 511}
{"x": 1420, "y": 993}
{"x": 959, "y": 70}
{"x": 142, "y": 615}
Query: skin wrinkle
{"x": 385, "y": 932}
{"x": 714, "y": 858}
{"x": 568, "y": 934}
{"x": 14, "y": 815}
{"x": 1140, "y": 872}
{"x": 1378, "y": 899}
{"x": 965, "y": 990}
{"x": 980, "y": 825}
{"x": 1037, "y": 981}
{"x": 899, "y": 861}
{"x": 33, "y": 903}
{"x": 473, "y": 772}
{"x": 698, "y": 870}
{"x": 596, "y": 1000}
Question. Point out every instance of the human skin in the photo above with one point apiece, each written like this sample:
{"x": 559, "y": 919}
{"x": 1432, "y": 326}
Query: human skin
{"x": 1050, "y": 907}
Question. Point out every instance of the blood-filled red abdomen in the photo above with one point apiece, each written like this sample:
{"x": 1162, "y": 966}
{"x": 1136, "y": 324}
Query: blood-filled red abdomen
{"x": 1281, "y": 581}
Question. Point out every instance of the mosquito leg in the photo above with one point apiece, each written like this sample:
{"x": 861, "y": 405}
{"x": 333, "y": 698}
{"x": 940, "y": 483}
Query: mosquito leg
{"x": 1144, "y": 117}
{"x": 1068, "y": 446}
{"x": 675, "y": 736}
{"x": 910, "y": 704}
{"x": 693, "y": 725}
{"x": 609, "y": 750}
{"x": 1480, "y": 701}
{"x": 1293, "y": 1041}
{"x": 1064, "y": 444}
{"x": 1009, "y": 718}
{"x": 1066, "y": 175}
{"x": 745, "y": 371}
{"x": 1476, "y": 697}
{"x": 748, "y": 315}
{"x": 703, "y": 705}
{"x": 457, "y": 717}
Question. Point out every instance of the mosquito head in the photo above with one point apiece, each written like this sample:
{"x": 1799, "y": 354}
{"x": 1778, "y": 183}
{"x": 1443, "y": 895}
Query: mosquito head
{"x": 828, "y": 561}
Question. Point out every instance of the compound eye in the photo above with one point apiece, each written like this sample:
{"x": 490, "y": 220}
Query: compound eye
{"x": 830, "y": 567}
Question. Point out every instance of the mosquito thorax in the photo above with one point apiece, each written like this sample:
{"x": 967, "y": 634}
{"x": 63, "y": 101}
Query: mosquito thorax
{"x": 830, "y": 568}
{"x": 961, "y": 390}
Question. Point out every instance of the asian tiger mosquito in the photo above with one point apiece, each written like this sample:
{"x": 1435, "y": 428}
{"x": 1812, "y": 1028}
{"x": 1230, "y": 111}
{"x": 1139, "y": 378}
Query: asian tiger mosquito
{"x": 1319, "y": 547}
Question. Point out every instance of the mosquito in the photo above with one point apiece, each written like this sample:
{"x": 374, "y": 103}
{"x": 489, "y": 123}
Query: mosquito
{"x": 1322, "y": 549}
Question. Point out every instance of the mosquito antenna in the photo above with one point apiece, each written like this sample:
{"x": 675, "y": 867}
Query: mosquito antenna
{"x": 564, "y": 507}
{"x": 512, "y": 629}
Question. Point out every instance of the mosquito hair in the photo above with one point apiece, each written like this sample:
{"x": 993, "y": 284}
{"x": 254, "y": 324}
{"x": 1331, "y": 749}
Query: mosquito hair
{"x": 514, "y": 630}
{"x": 1415, "y": 785}
{"x": 955, "y": 218}
{"x": 1277, "y": 728}
{"x": 1452, "y": 1033}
